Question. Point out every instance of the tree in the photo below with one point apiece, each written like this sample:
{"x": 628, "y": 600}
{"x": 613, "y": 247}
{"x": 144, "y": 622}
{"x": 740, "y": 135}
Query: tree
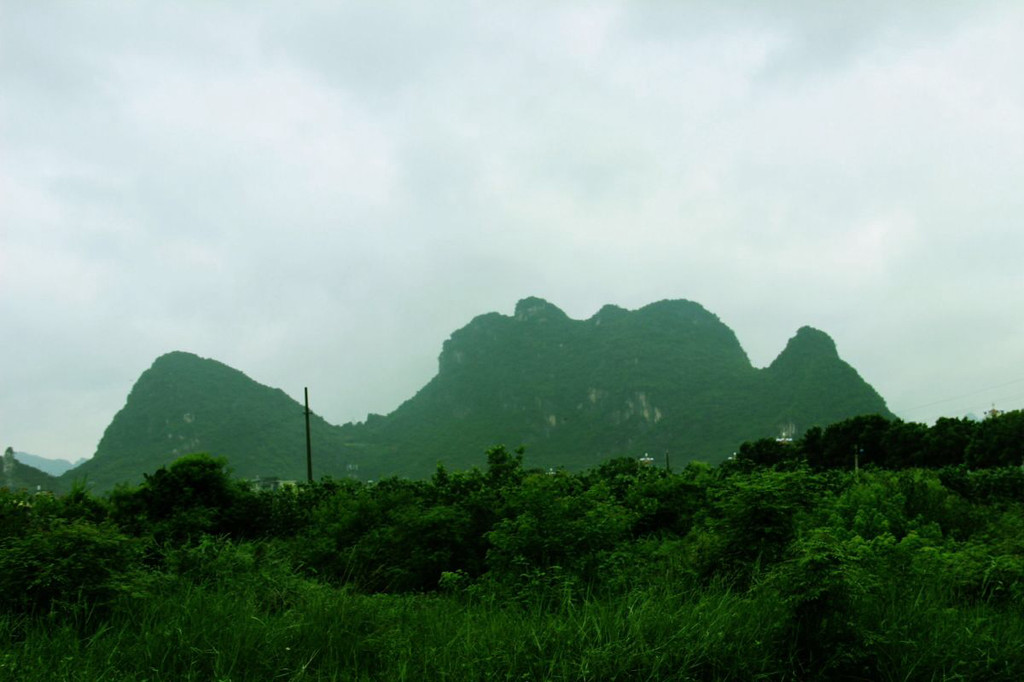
{"x": 753, "y": 517}
{"x": 860, "y": 439}
{"x": 193, "y": 496}
{"x": 903, "y": 445}
{"x": 766, "y": 452}
{"x": 998, "y": 441}
{"x": 946, "y": 442}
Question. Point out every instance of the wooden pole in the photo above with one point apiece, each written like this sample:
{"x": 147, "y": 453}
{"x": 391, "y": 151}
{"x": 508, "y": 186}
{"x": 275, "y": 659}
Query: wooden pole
{"x": 309, "y": 445}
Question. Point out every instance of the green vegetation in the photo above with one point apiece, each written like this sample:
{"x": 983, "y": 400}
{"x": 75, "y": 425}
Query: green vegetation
{"x": 868, "y": 549}
{"x": 669, "y": 377}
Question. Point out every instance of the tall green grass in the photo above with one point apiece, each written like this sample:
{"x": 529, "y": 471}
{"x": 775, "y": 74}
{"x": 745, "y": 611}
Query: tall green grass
{"x": 313, "y": 632}
{"x": 212, "y": 632}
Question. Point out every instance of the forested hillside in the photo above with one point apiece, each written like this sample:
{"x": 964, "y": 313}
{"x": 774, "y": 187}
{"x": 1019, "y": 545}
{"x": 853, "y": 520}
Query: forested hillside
{"x": 835, "y": 556}
{"x": 667, "y": 378}
{"x": 184, "y": 404}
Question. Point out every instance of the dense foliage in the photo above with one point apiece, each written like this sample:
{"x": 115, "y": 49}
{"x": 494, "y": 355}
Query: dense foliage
{"x": 870, "y": 549}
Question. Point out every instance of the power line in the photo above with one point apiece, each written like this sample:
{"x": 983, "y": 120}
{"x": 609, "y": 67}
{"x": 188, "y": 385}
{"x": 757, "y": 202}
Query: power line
{"x": 963, "y": 395}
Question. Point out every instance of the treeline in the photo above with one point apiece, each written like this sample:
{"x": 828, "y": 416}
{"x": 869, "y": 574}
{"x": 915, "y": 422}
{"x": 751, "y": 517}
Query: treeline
{"x": 997, "y": 441}
{"x": 786, "y": 562}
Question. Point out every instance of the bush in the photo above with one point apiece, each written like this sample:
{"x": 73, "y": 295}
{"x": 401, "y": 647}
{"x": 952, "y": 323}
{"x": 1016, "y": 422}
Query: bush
{"x": 195, "y": 495}
{"x": 72, "y": 568}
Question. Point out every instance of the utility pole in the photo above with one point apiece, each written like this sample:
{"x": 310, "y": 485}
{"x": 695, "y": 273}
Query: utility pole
{"x": 309, "y": 446}
{"x": 667, "y": 467}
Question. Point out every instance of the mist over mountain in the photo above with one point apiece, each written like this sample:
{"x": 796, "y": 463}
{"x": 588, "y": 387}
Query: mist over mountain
{"x": 668, "y": 377}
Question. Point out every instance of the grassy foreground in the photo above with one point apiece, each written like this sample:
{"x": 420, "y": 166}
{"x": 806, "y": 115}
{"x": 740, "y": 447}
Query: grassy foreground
{"x": 286, "y": 628}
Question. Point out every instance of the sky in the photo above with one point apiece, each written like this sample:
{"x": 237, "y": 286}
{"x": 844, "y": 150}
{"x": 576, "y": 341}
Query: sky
{"x": 319, "y": 193}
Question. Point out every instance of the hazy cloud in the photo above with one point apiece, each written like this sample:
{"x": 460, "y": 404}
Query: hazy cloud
{"x": 319, "y": 193}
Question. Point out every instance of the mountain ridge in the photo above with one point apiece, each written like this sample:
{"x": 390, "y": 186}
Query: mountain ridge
{"x": 16, "y": 475}
{"x": 51, "y": 466}
{"x": 662, "y": 349}
{"x": 667, "y": 376}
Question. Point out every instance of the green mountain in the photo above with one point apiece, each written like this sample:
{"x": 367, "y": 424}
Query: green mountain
{"x": 669, "y": 377}
{"x": 184, "y": 404}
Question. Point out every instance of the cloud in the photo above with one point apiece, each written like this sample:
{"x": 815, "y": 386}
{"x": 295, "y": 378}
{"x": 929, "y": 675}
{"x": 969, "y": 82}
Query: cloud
{"x": 326, "y": 190}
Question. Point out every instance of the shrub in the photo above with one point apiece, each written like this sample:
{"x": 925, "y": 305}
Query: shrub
{"x": 193, "y": 496}
{"x": 68, "y": 569}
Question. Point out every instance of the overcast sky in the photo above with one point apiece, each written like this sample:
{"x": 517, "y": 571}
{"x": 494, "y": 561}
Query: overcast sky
{"x": 319, "y": 193}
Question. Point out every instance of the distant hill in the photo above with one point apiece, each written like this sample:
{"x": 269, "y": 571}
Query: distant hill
{"x": 15, "y": 475}
{"x": 184, "y": 404}
{"x": 54, "y": 467}
{"x": 667, "y": 377}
